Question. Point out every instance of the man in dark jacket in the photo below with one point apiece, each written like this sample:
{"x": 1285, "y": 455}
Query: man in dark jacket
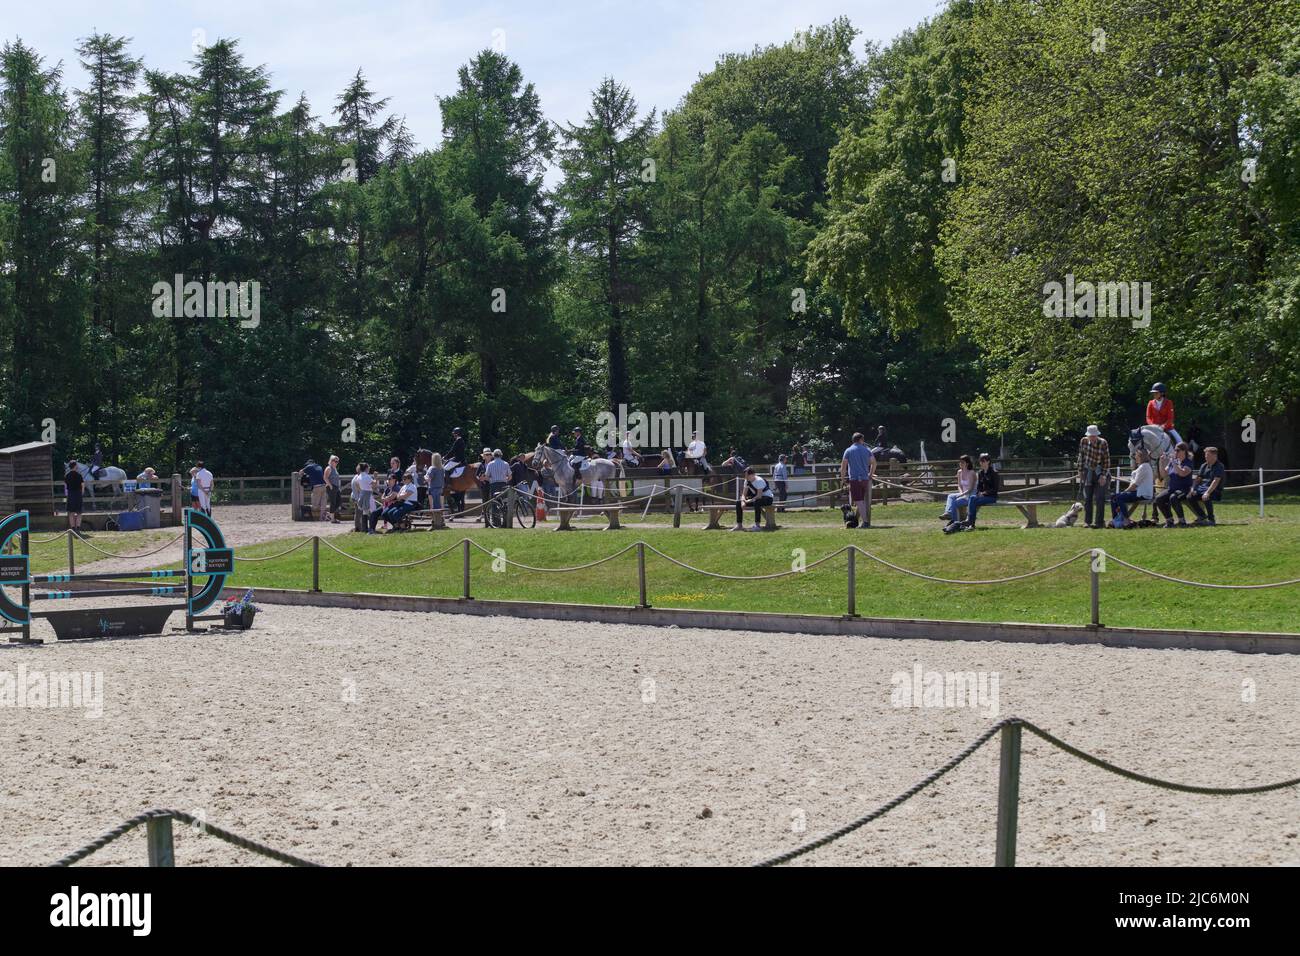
{"x": 987, "y": 486}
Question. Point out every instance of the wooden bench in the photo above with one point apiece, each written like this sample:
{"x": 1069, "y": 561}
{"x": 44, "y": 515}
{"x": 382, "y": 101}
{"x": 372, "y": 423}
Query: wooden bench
{"x": 566, "y": 515}
{"x": 1027, "y": 508}
{"x": 717, "y": 511}
{"x": 424, "y": 521}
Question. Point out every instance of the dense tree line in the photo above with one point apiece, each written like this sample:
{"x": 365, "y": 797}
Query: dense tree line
{"x": 821, "y": 236}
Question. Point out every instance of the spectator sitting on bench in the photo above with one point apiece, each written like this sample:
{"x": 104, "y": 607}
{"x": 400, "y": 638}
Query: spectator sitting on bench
{"x": 666, "y": 463}
{"x": 1209, "y": 488}
{"x": 402, "y": 504}
{"x": 967, "y": 479}
{"x": 1177, "y": 487}
{"x": 987, "y": 485}
{"x": 757, "y": 495}
{"x": 1141, "y": 487}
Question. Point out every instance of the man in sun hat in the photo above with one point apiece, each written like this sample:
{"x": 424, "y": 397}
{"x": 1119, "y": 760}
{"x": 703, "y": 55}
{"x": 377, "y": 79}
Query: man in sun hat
{"x": 1094, "y": 475}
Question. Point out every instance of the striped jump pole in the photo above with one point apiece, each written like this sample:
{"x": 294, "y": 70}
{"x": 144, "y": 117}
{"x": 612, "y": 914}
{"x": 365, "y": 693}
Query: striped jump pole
{"x": 204, "y": 574}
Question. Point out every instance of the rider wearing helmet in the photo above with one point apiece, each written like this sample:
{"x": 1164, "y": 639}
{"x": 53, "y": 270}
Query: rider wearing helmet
{"x": 454, "y": 456}
{"x": 1160, "y": 411}
{"x": 554, "y": 439}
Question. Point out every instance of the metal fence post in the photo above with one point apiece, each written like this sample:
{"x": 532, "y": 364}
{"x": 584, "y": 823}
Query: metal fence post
{"x": 315, "y": 563}
{"x": 158, "y": 832}
{"x": 640, "y": 574}
{"x": 1096, "y": 586}
{"x": 72, "y": 559}
{"x": 465, "y": 562}
{"x": 853, "y": 581}
{"x": 1008, "y": 795}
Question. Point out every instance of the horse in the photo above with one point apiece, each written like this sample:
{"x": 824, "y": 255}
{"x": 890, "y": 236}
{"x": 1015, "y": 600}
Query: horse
{"x": 455, "y": 488}
{"x": 894, "y": 453}
{"x": 591, "y": 471}
{"x": 1155, "y": 441}
{"x": 109, "y": 475}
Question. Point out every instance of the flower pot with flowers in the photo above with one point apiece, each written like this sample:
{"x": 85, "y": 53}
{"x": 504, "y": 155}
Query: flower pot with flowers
{"x": 239, "y": 612}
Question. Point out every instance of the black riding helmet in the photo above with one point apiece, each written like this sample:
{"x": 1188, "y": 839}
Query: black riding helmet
{"x": 1158, "y": 387}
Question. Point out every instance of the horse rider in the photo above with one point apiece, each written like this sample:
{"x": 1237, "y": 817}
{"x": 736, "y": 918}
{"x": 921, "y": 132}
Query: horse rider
{"x": 697, "y": 454}
{"x": 1160, "y": 412}
{"x": 580, "y": 446}
{"x": 553, "y": 440}
{"x": 96, "y": 462}
{"x": 454, "y": 457}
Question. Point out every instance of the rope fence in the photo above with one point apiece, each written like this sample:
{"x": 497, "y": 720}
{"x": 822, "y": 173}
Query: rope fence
{"x": 1010, "y": 729}
{"x": 161, "y": 851}
{"x": 158, "y": 825}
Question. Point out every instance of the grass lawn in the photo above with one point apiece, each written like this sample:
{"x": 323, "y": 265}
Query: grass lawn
{"x": 51, "y": 554}
{"x": 1242, "y": 549}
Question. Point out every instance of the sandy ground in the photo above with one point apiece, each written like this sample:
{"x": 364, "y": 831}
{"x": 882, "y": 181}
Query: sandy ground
{"x": 384, "y": 738}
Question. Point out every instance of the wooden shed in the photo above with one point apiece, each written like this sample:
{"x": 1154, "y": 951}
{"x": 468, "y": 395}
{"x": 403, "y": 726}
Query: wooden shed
{"x": 27, "y": 478}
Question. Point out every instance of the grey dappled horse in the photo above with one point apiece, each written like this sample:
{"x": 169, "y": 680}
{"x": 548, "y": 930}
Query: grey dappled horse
{"x": 594, "y": 469}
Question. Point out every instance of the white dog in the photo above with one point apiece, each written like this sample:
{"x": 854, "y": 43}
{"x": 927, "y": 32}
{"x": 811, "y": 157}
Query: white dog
{"x": 1068, "y": 519}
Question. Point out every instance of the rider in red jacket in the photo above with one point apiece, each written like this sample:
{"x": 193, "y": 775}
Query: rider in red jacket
{"x": 1160, "y": 412}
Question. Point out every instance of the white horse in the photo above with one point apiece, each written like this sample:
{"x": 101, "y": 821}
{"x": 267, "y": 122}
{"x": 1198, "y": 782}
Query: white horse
{"x": 109, "y": 475}
{"x": 1155, "y": 441}
{"x": 592, "y": 470}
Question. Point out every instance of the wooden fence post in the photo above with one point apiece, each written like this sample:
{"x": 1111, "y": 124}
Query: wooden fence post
{"x": 1008, "y": 795}
{"x": 162, "y": 851}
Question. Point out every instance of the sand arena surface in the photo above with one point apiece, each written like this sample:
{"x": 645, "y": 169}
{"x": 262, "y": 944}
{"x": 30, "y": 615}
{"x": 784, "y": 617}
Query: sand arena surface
{"x": 367, "y": 737}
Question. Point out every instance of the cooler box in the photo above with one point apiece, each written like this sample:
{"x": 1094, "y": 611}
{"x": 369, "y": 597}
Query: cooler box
{"x": 130, "y": 521}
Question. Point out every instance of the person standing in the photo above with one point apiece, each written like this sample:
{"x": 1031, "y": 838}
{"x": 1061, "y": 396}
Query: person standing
{"x": 334, "y": 489}
{"x": 313, "y": 477}
{"x": 857, "y": 466}
{"x": 354, "y": 495}
{"x": 437, "y": 479}
{"x": 1094, "y": 475}
{"x": 205, "y": 479}
{"x": 73, "y": 486}
{"x": 368, "y": 500}
{"x": 987, "y": 485}
{"x": 780, "y": 478}
{"x": 497, "y": 475}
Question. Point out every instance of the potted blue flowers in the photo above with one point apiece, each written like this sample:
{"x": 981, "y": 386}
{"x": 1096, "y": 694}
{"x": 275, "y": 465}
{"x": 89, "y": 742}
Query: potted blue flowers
{"x": 238, "y": 612}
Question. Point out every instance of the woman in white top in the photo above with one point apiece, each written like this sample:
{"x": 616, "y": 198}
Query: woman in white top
{"x": 967, "y": 480}
{"x": 1141, "y": 487}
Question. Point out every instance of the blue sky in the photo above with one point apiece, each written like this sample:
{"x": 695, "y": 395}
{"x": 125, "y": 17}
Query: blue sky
{"x": 410, "y": 50}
